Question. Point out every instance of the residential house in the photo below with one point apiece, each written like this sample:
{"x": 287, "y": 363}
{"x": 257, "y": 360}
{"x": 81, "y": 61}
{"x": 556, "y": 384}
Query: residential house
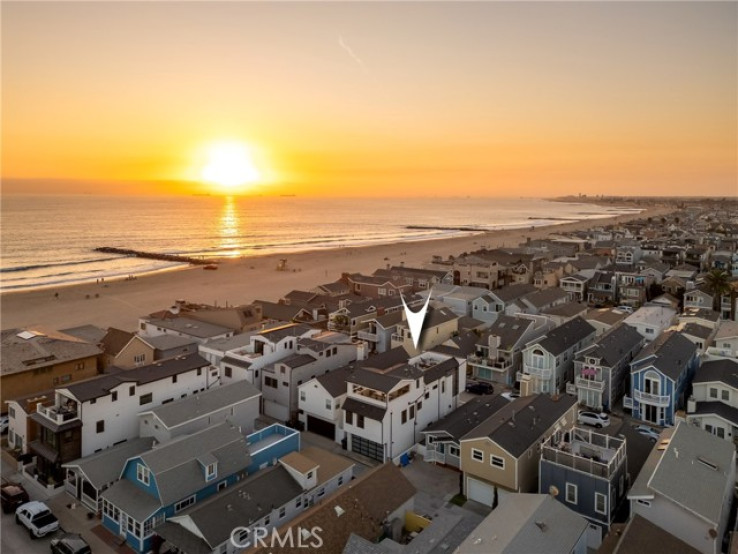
{"x": 627, "y": 253}
{"x": 377, "y": 286}
{"x": 420, "y": 279}
{"x": 640, "y": 535}
{"x": 88, "y": 416}
{"x": 504, "y": 450}
{"x": 653, "y": 268}
{"x": 237, "y": 403}
{"x": 292, "y": 313}
{"x": 537, "y": 302}
{"x": 378, "y": 500}
{"x": 604, "y": 319}
{"x": 443, "y": 438}
{"x": 241, "y": 319}
{"x": 558, "y": 315}
{"x": 525, "y": 523}
{"x": 549, "y": 360}
{"x": 602, "y": 290}
{"x": 163, "y": 481}
{"x": 687, "y": 487}
{"x": 700, "y": 316}
{"x": 36, "y": 359}
{"x": 725, "y": 342}
{"x": 440, "y": 324}
{"x": 183, "y": 326}
{"x": 385, "y": 411}
{"x": 651, "y": 321}
{"x": 698, "y": 298}
{"x": 379, "y": 331}
{"x": 587, "y": 472}
{"x": 315, "y": 356}
{"x": 659, "y": 377}
{"x": 266, "y": 500}
{"x": 713, "y": 405}
{"x": 88, "y": 477}
{"x": 575, "y": 286}
{"x": 498, "y": 354}
{"x": 21, "y": 427}
{"x": 127, "y": 350}
{"x": 459, "y": 299}
{"x": 601, "y": 371}
{"x": 632, "y": 288}
{"x": 700, "y": 335}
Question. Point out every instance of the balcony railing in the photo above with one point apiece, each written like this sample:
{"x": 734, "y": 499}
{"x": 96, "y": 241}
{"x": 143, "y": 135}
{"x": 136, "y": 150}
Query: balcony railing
{"x": 537, "y": 372}
{"x": 500, "y": 364}
{"x": 649, "y": 398}
{"x": 627, "y": 402}
{"x": 571, "y": 388}
{"x": 366, "y": 335}
{"x": 582, "y": 383}
{"x": 57, "y": 414}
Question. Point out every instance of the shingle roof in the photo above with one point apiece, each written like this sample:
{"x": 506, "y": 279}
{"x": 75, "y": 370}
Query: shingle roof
{"x": 200, "y": 404}
{"x": 613, "y": 346}
{"x": 685, "y": 479}
{"x": 697, "y": 330}
{"x": 523, "y": 421}
{"x": 105, "y": 467}
{"x": 566, "y": 335}
{"x": 512, "y": 292}
{"x": 467, "y": 416}
{"x": 114, "y": 341}
{"x": 42, "y": 348}
{"x": 729, "y": 413}
{"x": 725, "y": 371}
{"x": 367, "y": 410}
{"x": 191, "y": 327}
{"x": 545, "y": 297}
{"x": 641, "y": 535}
{"x": 167, "y": 342}
{"x": 132, "y": 500}
{"x": 335, "y": 381}
{"x": 509, "y": 328}
{"x": 670, "y": 353}
{"x": 297, "y": 360}
{"x": 88, "y": 333}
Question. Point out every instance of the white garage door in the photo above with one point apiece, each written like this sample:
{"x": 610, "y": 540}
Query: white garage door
{"x": 479, "y": 491}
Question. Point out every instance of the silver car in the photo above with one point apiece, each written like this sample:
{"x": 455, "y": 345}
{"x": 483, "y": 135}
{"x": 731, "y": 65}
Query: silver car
{"x": 594, "y": 419}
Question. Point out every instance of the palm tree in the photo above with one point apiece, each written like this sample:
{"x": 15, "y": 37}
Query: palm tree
{"x": 718, "y": 283}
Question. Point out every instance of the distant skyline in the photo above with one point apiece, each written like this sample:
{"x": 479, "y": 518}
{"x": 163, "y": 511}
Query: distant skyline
{"x": 372, "y": 98}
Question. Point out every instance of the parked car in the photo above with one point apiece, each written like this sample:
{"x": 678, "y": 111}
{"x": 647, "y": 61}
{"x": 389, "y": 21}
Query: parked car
{"x": 512, "y": 395}
{"x": 594, "y": 419}
{"x": 480, "y": 388}
{"x": 37, "y": 518}
{"x": 12, "y": 496}
{"x": 648, "y": 432}
{"x": 70, "y": 544}
{"x": 4, "y": 424}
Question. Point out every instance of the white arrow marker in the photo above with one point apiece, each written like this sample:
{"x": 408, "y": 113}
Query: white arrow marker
{"x": 415, "y": 319}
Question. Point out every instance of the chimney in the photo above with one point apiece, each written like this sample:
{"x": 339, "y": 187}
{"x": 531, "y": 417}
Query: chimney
{"x": 525, "y": 385}
{"x": 361, "y": 350}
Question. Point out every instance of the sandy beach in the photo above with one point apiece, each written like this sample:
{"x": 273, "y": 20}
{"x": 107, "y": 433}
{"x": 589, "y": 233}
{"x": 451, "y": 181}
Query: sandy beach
{"x": 240, "y": 281}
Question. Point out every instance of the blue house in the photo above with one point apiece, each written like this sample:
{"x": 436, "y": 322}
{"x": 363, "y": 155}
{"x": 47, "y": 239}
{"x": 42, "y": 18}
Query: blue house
{"x": 267, "y": 445}
{"x": 659, "y": 377}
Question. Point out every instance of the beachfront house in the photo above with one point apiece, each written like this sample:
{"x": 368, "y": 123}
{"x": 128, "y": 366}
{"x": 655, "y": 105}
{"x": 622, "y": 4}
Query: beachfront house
{"x": 315, "y": 356}
{"x": 127, "y": 350}
{"x": 659, "y": 377}
{"x": 601, "y": 370}
{"x": 420, "y": 279}
{"x": 89, "y": 416}
{"x": 498, "y": 354}
{"x": 378, "y": 333}
{"x": 183, "y": 326}
{"x": 503, "y": 451}
{"x": 377, "y": 286}
{"x": 549, "y": 360}
{"x": 713, "y": 405}
{"x": 686, "y": 487}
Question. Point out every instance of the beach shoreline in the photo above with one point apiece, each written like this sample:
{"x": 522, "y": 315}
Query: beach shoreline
{"x": 120, "y": 302}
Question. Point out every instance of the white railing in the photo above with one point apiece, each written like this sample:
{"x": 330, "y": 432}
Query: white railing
{"x": 57, "y": 414}
{"x": 649, "y": 398}
{"x": 500, "y": 364}
{"x": 366, "y": 335}
{"x": 627, "y": 402}
{"x": 571, "y": 388}
{"x": 583, "y": 383}
{"x": 537, "y": 372}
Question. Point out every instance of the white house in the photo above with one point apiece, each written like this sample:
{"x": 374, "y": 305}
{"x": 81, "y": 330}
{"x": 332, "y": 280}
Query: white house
{"x": 651, "y": 321}
{"x": 713, "y": 405}
{"x": 198, "y": 331}
{"x": 725, "y": 343}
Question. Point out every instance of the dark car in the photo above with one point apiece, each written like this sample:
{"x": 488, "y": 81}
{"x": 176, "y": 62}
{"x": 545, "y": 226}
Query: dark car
{"x": 12, "y": 496}
{"x": 480, "y": 388}
{"x": 70, "y": 544}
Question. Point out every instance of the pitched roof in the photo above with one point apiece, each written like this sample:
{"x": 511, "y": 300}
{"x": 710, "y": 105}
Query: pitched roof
{"x": 545, "y": 297}
{"x": 334, "y": 382}
{"x": 684, "y": 474}
{"x": 568, "y": 309}
{"x": 33, "y": 348}
{"x": 565, "y": 336}
{"x": 364, "y": 502}
{"x": 725, "y": 371}
{"x": 670, "y": 353}
{"x": 369, "y": 411}
{"x": 203, "y": 403}
{"x": 509, "y": 329}
{"x": 191, "y": 327}
{"x": 523, "y": 421}
{"x": 105, "y": 466}
{"x": 168, "y": 342}
{"x": 88, "y": 333}
{"x": 512, "y": 292}
{"x": 114, "y": 341}
{"x": 467, "y": 416}
{"x": 614, "y": 345}
{"x": 728, "y": 413}
{"x": 697, "y": 330}
{"x": 133, "y": 500}
{"x": 641, "y": 535}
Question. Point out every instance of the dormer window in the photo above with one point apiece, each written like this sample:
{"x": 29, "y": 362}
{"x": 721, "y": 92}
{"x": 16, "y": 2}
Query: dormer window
{"x": 211, "y": 471}
{"x": 143, "y": 474}
{"x": 310, "y": 474}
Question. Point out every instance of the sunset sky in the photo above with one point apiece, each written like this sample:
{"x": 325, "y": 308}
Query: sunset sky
{"x": 385, "y": 98}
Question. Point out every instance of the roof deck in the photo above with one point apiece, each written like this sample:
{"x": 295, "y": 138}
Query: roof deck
{"x": 585, "y": 450}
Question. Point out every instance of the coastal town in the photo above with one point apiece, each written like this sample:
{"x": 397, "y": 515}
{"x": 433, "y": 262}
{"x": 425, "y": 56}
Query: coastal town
{"x": 576, "y": 391}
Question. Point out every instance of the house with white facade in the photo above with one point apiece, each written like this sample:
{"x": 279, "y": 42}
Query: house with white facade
{"x": 549, "y": 360}
{"x": 575, "y": 286}
{"x": 378, "y": 333}
{"x": 713, "y": 405}
{"x": 686, "y": 487}
{"x": 459, "y": 299}
{"x": 198, "y": 331}
{"x": 651, "y": 321}
{"x": 725, "y": 343}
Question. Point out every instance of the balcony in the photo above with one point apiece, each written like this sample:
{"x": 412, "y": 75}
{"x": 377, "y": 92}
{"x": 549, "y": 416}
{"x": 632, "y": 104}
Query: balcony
{"x": 538, "y": 372}
{"x": 368, "y": 336}
{"x": 500, "y": 364}
{"x": 653, "y": 399}
{"x": 57, "y": 414}
{"x": 571, "y": 388}
{"x": 582, "y": 383}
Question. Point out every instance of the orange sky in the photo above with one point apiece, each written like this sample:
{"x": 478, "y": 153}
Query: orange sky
{"x": 484, "y": 98}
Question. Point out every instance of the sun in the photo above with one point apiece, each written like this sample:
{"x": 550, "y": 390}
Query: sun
{"x": 230, "y": 166}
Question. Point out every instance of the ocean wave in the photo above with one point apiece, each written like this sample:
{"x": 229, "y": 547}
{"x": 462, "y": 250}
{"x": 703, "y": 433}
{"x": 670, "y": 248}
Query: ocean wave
{"x": 59, "y": 264}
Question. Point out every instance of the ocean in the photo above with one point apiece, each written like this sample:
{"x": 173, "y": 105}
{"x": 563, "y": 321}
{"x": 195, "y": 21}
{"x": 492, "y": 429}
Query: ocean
{"x": 50, "y": 240}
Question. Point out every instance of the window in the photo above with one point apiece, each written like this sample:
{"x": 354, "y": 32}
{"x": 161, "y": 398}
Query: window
{"x": 143, "y": 474}
{"x": 199, "y": 371}
{"x": 720, "y": 431}
{"x": 349, "y": 418}
{"x": 600, "y": 503}
{"x": 645, "y": 503}
{"x": 649, "y": 330}
{"x": 174, "y": 378}
{"x": 111, "y": 511}
{"x": 139, "y": 359}
{"x": 211, "y": 471}
{"x": 453, "y": 451}
{"x": 100, "y": 426}
{"x": 477, "y": 455}
{"x": 571, "y": 493}
{"x": 222, "y": 485}
{"x": 420, "y": 405}
{"x": 403, "y": 416}
{"x": 725, "y": 395}
{"x": 412, "y": 412}
{"x": 496, "y": 461}
{"x": 303, "y": 396}
{"x": 80, "y": 365}
{"x": 321, "y": 491}
{"x": 66, "y": 378}
{"x": 114, "y": 396}
{"x": 145, "y": 398}
{"x": 266, "y": 520}
{"x": 131, "y": 390}
{"x": 298, "y": 502}
{"x": 713, "y": 392}
{"x": 360, "y": 421}
{"x": 340, "y": 480}
{"x": 182, "y": 504}
{"x": 228, "y": 372}
{"x": 11, "y": 412}
{"x": 427, "y": 395}
{"x": 310, "y": 474}
{"x": 282, "y": 512}
{"x": 328, "y": 404}
{"x": 271, "y": 382}
{"x": 93, "y": 401}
